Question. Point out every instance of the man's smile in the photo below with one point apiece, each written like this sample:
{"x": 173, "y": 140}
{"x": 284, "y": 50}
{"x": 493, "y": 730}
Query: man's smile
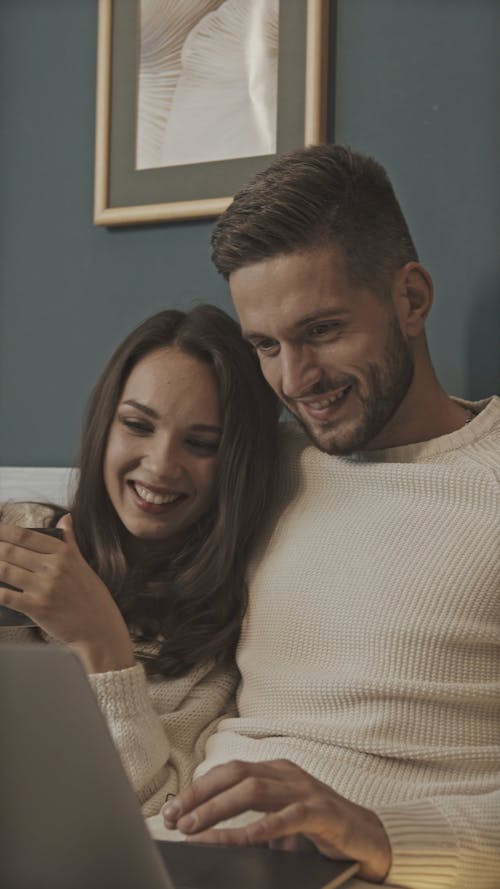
{"x": 322, "y": 408}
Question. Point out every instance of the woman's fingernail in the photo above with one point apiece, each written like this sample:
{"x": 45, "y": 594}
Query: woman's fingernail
{"x": 171, "y": 811}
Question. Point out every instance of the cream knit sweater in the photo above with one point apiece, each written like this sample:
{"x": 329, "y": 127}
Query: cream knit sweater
{"x": 370, "y": 654}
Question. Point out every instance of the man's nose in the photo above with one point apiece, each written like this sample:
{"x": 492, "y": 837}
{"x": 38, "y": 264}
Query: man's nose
{"x": 299, "y": 370}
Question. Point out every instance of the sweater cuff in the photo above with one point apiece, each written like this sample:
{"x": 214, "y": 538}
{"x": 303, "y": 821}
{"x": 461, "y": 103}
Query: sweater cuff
{"x": 424, "y": 848}
{"x": 121, "y": 693}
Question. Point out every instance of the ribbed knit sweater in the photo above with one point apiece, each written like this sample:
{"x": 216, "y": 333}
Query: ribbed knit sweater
{"x": 370, "y": 652}
{"x": 369, "y": 655}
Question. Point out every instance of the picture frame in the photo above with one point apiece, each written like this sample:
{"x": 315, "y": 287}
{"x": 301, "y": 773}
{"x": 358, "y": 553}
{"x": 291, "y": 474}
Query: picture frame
{"x": 124, "y": 195}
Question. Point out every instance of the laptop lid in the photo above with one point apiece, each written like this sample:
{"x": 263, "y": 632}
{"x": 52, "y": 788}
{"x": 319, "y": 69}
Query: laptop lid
{"x": 68, "y": 816}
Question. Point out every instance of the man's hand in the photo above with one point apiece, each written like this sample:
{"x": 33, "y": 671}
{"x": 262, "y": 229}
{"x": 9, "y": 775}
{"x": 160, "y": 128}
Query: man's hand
{"x": 294, "y": 802}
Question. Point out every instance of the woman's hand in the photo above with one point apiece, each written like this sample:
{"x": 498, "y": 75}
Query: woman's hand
{"x": 63, "y": 595}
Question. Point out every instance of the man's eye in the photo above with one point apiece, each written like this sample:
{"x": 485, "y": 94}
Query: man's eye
{"x": 324, "y": 328}
{"x": 136, "y": 426}
{"x": 265, "y": 346}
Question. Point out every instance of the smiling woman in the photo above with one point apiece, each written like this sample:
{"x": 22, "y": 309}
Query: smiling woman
{"x": 161, "y": 456}
{"x": 148, "y": 586}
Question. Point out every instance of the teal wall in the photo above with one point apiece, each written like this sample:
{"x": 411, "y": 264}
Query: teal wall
{"x": 414, "y": 82}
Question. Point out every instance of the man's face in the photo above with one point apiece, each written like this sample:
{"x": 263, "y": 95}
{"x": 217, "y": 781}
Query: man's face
{"x": 334, "y": 353}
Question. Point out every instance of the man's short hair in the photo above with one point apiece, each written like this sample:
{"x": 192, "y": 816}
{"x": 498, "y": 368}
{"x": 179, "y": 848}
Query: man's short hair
{"x": 324, "y": 195}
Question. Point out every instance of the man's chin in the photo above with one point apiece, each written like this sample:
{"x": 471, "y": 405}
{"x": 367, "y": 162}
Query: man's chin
{"x": 322, "y": 437}
{"x": 336, "y": 440}
{"x": 332, "y": 446}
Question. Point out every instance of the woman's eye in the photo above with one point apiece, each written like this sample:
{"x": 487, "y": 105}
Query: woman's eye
{"x": 137, "y": 426}
{"x": 203, "y": 447}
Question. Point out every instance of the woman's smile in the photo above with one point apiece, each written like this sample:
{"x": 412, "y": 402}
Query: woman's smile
{"x": 161, "y": 456}
{"x": 151, "y": 500}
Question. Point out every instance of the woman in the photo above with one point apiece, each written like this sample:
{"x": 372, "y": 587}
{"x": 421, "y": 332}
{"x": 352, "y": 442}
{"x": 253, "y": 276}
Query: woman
{"x": 148, "y": 587}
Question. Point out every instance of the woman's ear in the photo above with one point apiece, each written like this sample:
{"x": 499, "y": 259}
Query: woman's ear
{"x": 413, "y": 293}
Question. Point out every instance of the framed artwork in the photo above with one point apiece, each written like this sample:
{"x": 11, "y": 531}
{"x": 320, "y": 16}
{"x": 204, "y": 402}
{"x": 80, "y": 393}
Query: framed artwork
{"x": 195, "y": 96}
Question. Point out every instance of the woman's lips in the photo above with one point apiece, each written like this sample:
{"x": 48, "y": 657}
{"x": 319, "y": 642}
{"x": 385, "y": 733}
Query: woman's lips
{"x": 152, "y": 501}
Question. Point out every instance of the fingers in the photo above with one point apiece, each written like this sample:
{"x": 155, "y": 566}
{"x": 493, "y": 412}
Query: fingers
{"x": 18, "y": 601}
{"x": 253, "y": 793}
{"x": 229, "y": 790}
{"x": 215, "y": 782}
{"x": 29, "y": 561}
{"x": 19, "y": 556}
{"x": 293, "y": 801}
{"x": 28, "y": 557}
{"x": 14, "y": 576}
{"x": 28, "y": 539}
{"x": 288, "y": 822}
{"x": 65, "y": 523}
{"x": 23, "y": 558}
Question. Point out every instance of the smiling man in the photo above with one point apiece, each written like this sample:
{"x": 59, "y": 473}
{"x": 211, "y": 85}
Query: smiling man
{"x": 368, "y": 719}
{"x": 334, "y": 354}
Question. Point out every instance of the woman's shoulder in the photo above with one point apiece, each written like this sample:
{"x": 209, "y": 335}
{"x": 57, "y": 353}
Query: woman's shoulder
{"x": 27, "y": 514}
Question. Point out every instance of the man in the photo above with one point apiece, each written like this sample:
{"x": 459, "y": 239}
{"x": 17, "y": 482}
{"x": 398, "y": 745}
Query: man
{"x": 368, "y": 704}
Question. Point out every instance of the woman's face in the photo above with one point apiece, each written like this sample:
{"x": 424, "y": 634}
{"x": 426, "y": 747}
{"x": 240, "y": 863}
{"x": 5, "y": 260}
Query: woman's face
{"x": 161, "y": 454}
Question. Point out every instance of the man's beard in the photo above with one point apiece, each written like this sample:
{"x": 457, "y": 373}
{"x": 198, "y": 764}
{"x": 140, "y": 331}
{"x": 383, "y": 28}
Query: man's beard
{"x": 387, "y": 384}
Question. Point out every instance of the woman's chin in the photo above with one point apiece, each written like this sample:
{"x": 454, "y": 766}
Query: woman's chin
{"x": 141, "y": 541}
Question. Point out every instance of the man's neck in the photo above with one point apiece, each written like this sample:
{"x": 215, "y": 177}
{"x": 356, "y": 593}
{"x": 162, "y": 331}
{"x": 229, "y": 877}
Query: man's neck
{"x": 426, "y": 412}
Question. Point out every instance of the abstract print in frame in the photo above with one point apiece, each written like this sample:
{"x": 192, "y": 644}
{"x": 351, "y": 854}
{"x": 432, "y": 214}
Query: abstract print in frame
{"x": 195, "y": 96}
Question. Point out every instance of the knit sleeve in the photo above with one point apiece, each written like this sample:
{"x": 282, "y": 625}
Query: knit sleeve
{"x": 450, "y": 842}
{"x": 19, "y": 635}
{"x": 159, "y": 726}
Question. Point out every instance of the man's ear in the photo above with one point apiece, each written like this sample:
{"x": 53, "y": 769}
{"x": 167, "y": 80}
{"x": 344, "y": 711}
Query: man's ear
{"x": 413, "y": 293}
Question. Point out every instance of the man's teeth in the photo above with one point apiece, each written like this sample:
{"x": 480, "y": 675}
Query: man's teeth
{"x": 158, "y": 499}
{"x": 326, "y": 402}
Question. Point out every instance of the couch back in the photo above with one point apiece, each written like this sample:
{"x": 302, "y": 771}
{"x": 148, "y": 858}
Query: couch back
{"x": 48, "y": 484}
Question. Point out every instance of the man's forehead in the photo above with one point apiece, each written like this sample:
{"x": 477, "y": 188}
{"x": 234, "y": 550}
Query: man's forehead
{"x": 295, "y": 288}
{"x": 302, "y": 261}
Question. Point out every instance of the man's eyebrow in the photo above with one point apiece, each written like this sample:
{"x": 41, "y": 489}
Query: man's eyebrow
{"x": 254, "y": 335}
{"x": 142, "y": 407}
{"x": 302, "y": 322}
{"x": 323, "y": 313}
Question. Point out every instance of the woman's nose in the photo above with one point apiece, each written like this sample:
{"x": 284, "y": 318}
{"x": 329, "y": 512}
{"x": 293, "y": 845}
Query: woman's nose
{"x": 163, "y": 459}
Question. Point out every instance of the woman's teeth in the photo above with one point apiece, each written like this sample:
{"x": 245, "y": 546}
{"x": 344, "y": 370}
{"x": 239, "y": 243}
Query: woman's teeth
{"x": 158, "y": 499}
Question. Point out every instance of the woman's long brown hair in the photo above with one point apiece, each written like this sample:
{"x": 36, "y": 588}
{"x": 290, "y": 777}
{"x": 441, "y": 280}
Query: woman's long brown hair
{"x": 189, "y": 606}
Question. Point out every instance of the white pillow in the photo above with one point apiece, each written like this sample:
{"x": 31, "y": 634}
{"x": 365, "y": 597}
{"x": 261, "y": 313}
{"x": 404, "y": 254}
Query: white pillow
{"x": 47, "y": 484}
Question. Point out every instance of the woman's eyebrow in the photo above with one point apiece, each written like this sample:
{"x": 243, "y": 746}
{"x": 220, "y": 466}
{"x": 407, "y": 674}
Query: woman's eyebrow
{"x": 196, "y": 427}
{"x": 204, "y": 427}
{"x": 142, "y": 407}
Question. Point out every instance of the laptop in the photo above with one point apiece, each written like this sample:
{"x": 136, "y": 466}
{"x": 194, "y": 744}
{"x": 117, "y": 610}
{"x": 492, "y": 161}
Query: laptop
{"x": 69, "y": 818}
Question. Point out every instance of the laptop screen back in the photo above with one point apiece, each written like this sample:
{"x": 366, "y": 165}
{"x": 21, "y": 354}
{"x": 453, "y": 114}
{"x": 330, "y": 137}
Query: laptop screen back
{"x": 68, "y": 816}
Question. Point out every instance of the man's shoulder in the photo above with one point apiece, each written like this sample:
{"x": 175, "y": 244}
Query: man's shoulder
{"x": 483, "y": 442}
{"x": 489, "y": 406}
